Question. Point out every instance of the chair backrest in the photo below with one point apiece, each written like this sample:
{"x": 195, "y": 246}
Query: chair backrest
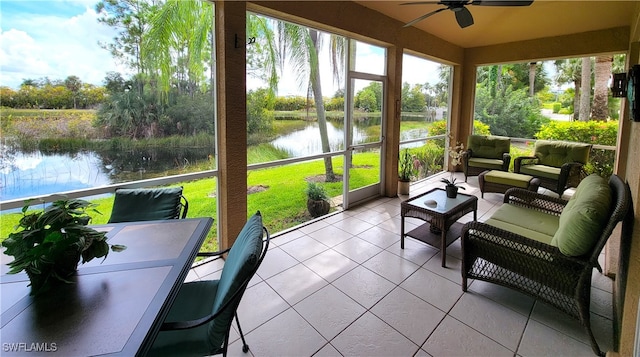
{"x": 557, "y": 153}
{"x": 244, "y": 258}
{"x": 620, "y": 204}
{"x": 489, "y": 147}
{"x": 148, "y": 204}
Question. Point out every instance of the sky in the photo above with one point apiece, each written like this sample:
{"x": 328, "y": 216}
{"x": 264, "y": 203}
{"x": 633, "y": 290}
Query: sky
{"x": 53, "y": 39}
{"x": 60, "y": 38}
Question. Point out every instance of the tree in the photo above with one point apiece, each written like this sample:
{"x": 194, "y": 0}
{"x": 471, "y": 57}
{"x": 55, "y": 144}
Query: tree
{"x": 508, "y": 113}
{"x": 131, "y": 18}
{"x": 73, "y": 84}
{"x": 301, "y": 46}
{"x": 177, "y": 42}
{"x": 600, "y": 108}
{"x": 413, "y": 100}
{"x": 570, "y": 71}
{"x": 585, "y": 90}
{"x": 114, "y": 83}
{"x": 532, "y": 78}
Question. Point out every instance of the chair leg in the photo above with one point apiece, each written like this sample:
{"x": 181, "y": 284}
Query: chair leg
{"x": 245, "y": 347}
{"x": 585, "y": 319}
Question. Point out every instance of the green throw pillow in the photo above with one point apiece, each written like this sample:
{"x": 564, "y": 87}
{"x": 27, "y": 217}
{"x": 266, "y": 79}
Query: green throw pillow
{"x": 584, "y": 217}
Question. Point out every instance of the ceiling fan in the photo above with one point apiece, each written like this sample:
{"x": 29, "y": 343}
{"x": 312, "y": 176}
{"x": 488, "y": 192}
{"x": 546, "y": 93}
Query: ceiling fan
{"x": 463, "y": 15}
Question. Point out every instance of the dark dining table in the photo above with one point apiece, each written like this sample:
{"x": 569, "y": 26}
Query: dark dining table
{"x": 113, "y": 307}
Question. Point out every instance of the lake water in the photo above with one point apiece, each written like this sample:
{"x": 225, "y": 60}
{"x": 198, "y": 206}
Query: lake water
{"x": 36, "y": 173}
{"x": 30, "y": 174}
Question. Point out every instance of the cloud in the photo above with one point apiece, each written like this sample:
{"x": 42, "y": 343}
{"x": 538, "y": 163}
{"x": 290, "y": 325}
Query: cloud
{"x": 58, "y": 47}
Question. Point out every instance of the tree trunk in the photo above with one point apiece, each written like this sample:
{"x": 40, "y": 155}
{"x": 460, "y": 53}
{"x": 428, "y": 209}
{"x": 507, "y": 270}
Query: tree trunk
{"x": 322, "y": 120}
{"x": 600, "y": 109}
{"x": 532, "y": 78}
{"x": 576, "y": 98}
{"x": 585, "y": 91}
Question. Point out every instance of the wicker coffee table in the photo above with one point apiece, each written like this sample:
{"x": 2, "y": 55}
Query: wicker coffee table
{"x": 441, "y": 228}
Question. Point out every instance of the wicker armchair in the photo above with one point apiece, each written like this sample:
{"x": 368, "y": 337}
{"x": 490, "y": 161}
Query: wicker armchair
{"x": 535, "y": 268}
{"x": 485, "y": 153}
{"x": 558, "y": 164}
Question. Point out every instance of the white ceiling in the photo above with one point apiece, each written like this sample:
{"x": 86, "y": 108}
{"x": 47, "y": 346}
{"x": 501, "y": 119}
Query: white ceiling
{"x": 499, "y": 24}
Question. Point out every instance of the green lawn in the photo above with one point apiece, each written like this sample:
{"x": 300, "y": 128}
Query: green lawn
{"x": 277, "y": 192}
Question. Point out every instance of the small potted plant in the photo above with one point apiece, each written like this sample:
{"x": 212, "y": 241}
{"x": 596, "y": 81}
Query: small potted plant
{"x": 48, "y": 244}
{"x": 406, "y": 171}
{"x": 317, "y": 200}
{"x": 456, "y": 158}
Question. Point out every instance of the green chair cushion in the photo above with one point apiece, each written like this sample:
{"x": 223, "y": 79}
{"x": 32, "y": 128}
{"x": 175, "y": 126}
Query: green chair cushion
{"x": 143, "y": 204}
{"x": 584, "y": 217}
{"x": 530, "y": 223}
{"x": 550, "y": 172}
{"x": 239, "y": 266}
{"x": 490, "y": 164}
{"x": 508, "y": 178}
{"x": 194, "y": 301}
{"x": 557, "y": 153}
{"x": 490, "y": 147}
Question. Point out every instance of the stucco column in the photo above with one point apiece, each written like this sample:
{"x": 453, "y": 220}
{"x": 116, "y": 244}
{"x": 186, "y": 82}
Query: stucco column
{"x": 462, "y": 102}
{"x": 230, "y": 22}
{"x": 392, "y": 117}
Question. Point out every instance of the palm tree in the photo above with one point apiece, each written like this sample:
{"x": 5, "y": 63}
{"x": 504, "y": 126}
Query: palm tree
{"x": 302, "y": 45}
{"x": 585, "y": 90}
{"x": 176, "y": 43}
{"x": 532, "y": 78}
{"x": 600, "y": 109}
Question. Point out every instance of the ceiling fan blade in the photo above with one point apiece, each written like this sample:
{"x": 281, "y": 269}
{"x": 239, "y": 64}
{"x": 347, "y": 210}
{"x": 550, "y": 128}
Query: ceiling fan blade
{"x": 464, "y": 18}
{"x": 422, "y": 3}
{"x": 502, "y": 2}
{"x": 425, "y": 16}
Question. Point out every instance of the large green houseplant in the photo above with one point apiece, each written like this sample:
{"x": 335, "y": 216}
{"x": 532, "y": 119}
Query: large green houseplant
{"x": 406, "y": 171}
{"x": 48, "y": 244}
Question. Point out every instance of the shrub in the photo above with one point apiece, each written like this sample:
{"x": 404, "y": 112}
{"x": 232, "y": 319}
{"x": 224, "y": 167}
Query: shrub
{"x": 259, "y": 115}
{"x": 557, "y": 107}
{"x": 431, "y": 157}
{"x": 291, "y": 103}
{"x": 440, "y": 128}
{"x": 316, "y": 192}
{"x": 591, "y": 132}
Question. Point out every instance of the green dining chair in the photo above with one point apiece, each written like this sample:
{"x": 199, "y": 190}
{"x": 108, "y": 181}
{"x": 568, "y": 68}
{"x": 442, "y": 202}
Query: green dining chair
{"x": 200, "y": 319}
{"x": 148, "y": 204}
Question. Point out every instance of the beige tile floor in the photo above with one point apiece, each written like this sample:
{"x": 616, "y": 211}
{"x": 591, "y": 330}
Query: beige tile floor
{"x": 342, "y": 286}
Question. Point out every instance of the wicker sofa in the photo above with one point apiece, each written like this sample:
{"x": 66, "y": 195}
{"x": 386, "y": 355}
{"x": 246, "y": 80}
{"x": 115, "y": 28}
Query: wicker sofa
{"x": 547, "y": 247}
{"x": 485, "y": 153}
{"x": 558, "y": 164}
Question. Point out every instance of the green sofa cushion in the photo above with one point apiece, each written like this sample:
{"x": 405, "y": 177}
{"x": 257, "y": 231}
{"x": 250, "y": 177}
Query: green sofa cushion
{"x": 490, "y": 147}
{"x": 550, "y": 172}
{"x": 490, "y": 164}
{"x": 508, "y": 178}
{"x": 556, "y": 153}
{"x": 584, "y": 217}
{"x": 532, "y": 224}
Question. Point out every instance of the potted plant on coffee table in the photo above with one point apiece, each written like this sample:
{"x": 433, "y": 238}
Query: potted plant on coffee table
{"x": 48, "y": 244}
{"x": 456, "y": 158}
{"x": 317, "y": 200}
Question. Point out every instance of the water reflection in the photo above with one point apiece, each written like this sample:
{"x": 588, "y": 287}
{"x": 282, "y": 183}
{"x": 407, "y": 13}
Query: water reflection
{"x": 31, "y": 174}
{"x": 307, "y": 141}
